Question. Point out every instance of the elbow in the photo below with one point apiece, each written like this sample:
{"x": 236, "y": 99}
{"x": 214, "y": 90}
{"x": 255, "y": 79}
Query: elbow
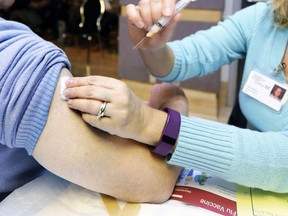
{"x": 155, "y": 195}
{"x": 157, "y": 191}
{"x": 160, "y": 196}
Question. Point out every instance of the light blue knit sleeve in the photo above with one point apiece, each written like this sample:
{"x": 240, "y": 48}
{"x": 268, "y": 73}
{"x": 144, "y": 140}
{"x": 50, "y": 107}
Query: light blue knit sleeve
{"x": 206, "y": 51}
{"x": 247, "y": 157}
{"x": 244, "y": 156}
{"x": 29, "y": 71}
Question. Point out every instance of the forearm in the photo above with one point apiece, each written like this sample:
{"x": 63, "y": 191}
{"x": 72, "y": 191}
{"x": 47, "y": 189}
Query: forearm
{"x": 158, "y": 61}
{"x": 95, "y": 160}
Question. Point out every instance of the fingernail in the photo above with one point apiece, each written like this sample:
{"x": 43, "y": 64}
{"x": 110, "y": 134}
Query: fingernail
{"x": 69, "y": 82}
{"x": 148, "y": 28}
{"x": 140, "y": 24}
{"x": 66, "y": 92}
{"x": 167, "y": 11}
{"x": 69, "y": 102}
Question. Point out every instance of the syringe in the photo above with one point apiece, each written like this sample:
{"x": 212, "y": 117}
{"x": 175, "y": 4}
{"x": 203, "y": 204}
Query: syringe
{"x": 180, "y": 5}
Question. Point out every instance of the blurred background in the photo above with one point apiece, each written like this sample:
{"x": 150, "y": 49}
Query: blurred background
{"x": 84, "y": 29}
{"x": 94, "y": 35}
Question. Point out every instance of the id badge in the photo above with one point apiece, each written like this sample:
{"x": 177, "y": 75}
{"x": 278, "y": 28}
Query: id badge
{"x": 266, "y": 90}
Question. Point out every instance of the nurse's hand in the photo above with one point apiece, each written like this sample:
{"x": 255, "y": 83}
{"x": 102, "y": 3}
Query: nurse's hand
{"x": 110, "y": 105}
{"x": 142, "y": 16}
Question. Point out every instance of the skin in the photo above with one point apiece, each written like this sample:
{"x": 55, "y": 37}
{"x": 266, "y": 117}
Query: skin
{"x": 86, "y": 94}
{"x": 79, "y": 153}
{"x": 86, "y": 156}
{"x": 121, "y": 102}
{"x": 148, "y": 125}
{"x": 277, "y": 92}
{"x": 152, "y": 50}
{"x": 5, "y": 4}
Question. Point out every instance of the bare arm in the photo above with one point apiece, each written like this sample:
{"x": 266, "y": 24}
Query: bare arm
{"x": 100, "y": 162}
{"x": 158, "y": 61}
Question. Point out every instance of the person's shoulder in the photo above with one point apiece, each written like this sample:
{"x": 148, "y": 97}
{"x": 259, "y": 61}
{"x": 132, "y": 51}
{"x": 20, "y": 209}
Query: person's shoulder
{"x": 6, "y": 25}
{"x": 263, "y": 7}
{"x": 258, "y": 9}
{"x": 259, "y": 6}
{"x": 252, "y": 16}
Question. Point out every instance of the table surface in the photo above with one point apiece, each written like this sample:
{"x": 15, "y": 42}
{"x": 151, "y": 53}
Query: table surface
{"x": 51, "y": 195}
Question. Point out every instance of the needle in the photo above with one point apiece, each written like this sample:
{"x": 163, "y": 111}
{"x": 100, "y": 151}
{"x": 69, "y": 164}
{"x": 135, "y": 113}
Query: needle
{"x": 140, "y": 42}
{"x": 180, "y": 5}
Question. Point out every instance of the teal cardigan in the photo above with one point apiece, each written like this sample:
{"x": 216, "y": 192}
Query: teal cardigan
{"x": 254, "y": 157}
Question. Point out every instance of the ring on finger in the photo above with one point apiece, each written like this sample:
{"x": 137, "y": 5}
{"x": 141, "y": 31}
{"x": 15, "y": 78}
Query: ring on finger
{"x": 101, "y": 112}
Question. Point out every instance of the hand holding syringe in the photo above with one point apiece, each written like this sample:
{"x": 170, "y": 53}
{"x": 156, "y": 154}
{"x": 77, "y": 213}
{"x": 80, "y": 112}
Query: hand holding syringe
{"x": 180, "y": 5}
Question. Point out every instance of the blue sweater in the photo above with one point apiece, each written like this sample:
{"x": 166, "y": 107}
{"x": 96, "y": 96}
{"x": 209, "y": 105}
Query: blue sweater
{"x": 256, "y": 158}
{"x": 29, "y": 70}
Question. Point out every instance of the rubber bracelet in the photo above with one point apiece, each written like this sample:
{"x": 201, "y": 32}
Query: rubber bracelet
{"x": 170, "y": 133}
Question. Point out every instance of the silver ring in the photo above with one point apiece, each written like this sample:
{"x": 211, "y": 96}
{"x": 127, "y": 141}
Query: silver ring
{"x": 101, "y": 112}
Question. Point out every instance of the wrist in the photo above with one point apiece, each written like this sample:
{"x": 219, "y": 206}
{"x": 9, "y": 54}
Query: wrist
{"x": 152, "y": 56}
{"x": 153, "y": 126}
{"x": 153, "y": 48}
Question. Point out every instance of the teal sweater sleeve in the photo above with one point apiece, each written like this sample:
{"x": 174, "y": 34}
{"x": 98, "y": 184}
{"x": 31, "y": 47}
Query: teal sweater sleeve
{"x": 247, "y": 157}
{"x": 254, "y": 158}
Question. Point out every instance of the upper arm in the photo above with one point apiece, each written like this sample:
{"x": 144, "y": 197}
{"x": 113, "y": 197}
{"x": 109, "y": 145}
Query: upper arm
{"x": 73, "y": 150}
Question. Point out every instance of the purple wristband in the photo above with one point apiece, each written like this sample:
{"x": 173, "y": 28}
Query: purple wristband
{"x": 170, "y": 133}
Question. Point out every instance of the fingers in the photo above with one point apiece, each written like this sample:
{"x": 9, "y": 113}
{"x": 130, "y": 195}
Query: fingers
{"x": 140, "y": 15}
{"x": 92, "y": 87}
{"x": 133, "y": 14}
{"x": 101, "y": 123}
{"x": 147, "y": 12}
{"x": 168, "y": 7}
{"x": 92, "y": 107}
{"x": 156, "y": 9}
{"x": 103, "y": 81}
{"x": 89, "y": 92}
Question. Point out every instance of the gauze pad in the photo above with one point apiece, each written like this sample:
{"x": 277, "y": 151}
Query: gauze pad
{"x": 63, "y": 87}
